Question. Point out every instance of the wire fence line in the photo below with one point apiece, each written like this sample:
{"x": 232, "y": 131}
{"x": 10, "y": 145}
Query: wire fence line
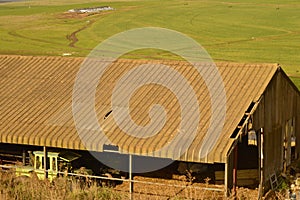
{"x": 216, "y": 188}
{"x": 145, "y": 189}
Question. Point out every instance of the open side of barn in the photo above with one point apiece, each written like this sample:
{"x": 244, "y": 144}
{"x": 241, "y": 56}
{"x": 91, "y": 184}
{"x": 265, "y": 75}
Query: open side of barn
{"x": 275, "y": 118}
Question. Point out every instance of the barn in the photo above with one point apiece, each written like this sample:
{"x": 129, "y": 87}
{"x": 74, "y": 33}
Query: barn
{"x": 261, "y": 127}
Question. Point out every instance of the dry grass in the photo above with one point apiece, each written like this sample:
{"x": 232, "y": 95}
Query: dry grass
{"x": 150, "y": 188}
{"x": 24, "y": 188}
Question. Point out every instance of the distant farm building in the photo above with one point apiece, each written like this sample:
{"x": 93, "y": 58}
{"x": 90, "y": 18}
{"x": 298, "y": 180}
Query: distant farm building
{"x": 262, "y": 113}
{"x": 91, "y": 10}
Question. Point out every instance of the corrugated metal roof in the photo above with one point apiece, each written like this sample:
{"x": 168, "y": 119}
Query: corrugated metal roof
{"x": 36, "y": 104}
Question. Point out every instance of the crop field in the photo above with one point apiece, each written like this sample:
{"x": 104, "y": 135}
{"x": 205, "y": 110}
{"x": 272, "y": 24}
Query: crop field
{"x": 230, "y": 30}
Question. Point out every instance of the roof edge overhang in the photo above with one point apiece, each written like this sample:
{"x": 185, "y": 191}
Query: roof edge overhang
{"x": 234, "y": 142}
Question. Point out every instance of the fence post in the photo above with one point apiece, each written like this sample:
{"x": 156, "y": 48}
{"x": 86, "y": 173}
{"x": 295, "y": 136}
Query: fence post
{"x": 261, "y": 162}
{"x": 24, "y": 157}
{"x": 130, "y": 178}
{"x": 45, "y": 163}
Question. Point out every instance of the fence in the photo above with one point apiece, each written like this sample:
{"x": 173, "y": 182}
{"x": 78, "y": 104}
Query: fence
{"x": 170, "y": 189}
{"x": 151, "y": 188}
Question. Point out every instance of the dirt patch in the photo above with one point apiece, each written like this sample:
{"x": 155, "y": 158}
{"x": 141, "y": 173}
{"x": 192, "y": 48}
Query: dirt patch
{"x": 294, "y": 75}
{"x": 157, "y": 188}
{"x": 69, "y": 15}
{"x": 80, "y": 15}
{"x": 75, "y": 15}
{"x": 72, "y": 37}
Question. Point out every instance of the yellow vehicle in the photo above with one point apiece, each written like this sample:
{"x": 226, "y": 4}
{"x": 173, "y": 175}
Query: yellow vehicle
{"x": 56, "y": 162}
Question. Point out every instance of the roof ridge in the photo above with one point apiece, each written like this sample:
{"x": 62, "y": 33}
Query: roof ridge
{"x": 160, "y": 61}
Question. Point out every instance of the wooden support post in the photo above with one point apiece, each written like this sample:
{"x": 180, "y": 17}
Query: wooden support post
{"x": 261, "y": 163}
{"x": 229, "y": 165}
{"x": 45, "y": 163}
{"x": 24, "y": 157}
{"x": 130, "y": 178}
{"x": 226, "y": 179}
{"x": 235, "y": 169}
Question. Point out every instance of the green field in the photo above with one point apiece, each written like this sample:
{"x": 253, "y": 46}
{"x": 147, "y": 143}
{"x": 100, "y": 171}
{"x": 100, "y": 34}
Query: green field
{"x": 265, "y": 31}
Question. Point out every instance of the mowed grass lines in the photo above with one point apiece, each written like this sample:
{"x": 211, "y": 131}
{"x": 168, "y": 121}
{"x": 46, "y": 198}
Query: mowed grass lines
{"x": 230, "y": 30}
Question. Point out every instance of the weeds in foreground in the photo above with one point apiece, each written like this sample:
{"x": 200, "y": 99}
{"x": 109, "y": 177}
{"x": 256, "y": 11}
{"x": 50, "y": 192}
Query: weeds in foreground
{"x": 25, "y": 188}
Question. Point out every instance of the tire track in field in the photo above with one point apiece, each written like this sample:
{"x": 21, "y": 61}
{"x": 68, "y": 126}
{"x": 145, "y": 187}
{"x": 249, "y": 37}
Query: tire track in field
{"x": 72, "y": 37}
{"x": 15, "y": 34}
{"x": 262, "y": 38}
